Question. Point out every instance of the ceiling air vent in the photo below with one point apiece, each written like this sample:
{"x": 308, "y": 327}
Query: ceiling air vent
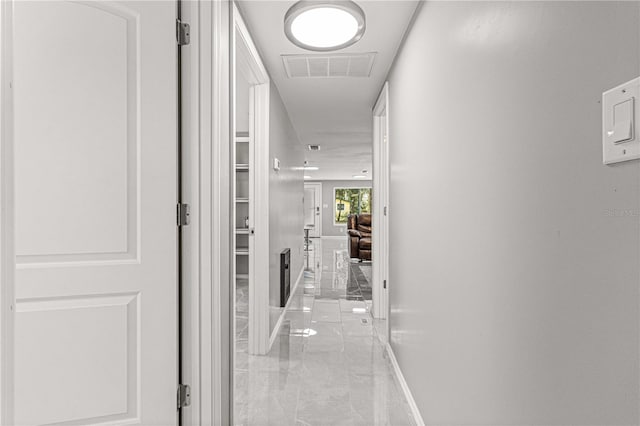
{"x": 314, "y": 147}
{"x": 328, "y": 66}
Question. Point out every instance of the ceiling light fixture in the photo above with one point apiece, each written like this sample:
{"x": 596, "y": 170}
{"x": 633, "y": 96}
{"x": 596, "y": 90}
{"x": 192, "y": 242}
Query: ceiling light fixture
{"x": 310, "y": 168}
{"x": 324, "y": 25}
{"x": 307, "y": 177}
{"x": 359, "y": 176}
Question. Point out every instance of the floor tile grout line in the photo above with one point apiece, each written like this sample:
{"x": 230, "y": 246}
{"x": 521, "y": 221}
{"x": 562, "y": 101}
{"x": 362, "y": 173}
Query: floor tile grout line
{"x": 344, "y": 351}
{"x": 304, "y": 344}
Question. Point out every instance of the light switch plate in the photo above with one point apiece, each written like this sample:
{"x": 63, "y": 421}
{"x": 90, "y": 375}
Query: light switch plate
{"x": 620, "y": 120}
{"x": 276, "y": 164}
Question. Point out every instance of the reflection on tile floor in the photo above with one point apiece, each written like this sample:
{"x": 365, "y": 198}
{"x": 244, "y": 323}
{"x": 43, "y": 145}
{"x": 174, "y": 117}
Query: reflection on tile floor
{"x": 327, "y": 366}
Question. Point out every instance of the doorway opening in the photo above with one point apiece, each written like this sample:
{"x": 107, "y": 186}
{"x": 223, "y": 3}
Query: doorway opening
{"x": 322, "y": 221}
{"x": 380, "y": 308}
{"x": 250, "y": 205}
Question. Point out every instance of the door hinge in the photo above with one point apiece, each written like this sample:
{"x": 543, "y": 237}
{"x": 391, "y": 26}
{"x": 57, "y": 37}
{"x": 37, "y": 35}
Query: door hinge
{"x": 384, "y": 283}
{"x": 182, "y": 33}
{"x": 385, "y": 210}
{"x": 184, "y": 214}
{"x": 184, "y": 396}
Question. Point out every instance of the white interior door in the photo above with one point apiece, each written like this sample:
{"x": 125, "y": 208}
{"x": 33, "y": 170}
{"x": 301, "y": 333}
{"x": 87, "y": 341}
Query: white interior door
{"x": 95, "y": 189}
{"x": 313, "y": 208}
{"x": 309, "y": 207}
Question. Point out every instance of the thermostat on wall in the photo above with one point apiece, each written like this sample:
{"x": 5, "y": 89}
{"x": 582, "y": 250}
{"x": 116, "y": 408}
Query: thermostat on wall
{"x": 620, "y": 116}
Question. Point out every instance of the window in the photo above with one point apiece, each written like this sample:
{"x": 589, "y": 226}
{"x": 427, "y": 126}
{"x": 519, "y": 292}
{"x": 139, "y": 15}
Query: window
{"x": 350, "y": 201}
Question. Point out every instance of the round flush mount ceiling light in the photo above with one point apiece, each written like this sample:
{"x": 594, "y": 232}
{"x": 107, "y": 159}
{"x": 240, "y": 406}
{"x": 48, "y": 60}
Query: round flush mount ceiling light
{"x": 324, "y": 25}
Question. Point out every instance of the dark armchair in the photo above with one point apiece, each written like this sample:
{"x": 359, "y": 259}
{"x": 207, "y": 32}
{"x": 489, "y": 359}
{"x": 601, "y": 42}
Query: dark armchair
{"x": 359, "y": 230}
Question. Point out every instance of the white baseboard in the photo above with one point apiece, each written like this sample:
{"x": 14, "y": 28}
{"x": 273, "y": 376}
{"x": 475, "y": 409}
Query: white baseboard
{"x": 276, "y": 329}
{"x": 405, "y": 387}
{"x": 334, "y": 237}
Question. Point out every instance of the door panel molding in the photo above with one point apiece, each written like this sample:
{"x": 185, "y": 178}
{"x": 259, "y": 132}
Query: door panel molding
{"x": 58, "y": 315}
{"x": 68, "y": 233}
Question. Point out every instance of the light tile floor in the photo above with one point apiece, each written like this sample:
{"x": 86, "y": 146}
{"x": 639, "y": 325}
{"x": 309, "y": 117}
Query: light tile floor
{"x": 327, "y": 365}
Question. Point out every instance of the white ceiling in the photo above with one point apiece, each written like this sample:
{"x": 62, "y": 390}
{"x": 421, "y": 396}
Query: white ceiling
{"x": 334, "y": 113}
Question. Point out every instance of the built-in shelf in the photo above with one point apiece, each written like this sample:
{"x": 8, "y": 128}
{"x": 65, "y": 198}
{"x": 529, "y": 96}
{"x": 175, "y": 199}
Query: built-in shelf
{"x": 241, "y": 167}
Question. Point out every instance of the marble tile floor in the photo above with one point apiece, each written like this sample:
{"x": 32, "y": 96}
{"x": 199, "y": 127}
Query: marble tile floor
{"x": 327, "y": 365}
{"x": 360, "y": 280}
{"x": 242, "y": 310}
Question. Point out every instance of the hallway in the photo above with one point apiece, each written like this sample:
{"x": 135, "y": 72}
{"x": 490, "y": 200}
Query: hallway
{"x": 162, "y": 164}
{"x": 327, "y": 366}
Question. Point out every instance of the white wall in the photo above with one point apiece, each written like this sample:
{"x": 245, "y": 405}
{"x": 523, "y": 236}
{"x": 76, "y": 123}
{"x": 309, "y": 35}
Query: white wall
{"x": 329, "y": 228}
{"x": 286, "y": 191}
{"x": 514, "y": 250}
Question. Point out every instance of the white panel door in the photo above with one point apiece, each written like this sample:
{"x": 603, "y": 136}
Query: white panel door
{"x": 309, "y": 207}
{"x": 312, "y": 208}
{"x": 95, "y": 172}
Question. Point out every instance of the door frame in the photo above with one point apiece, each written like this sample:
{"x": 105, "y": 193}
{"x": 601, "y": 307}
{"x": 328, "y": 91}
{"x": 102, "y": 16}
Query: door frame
{"x": 380, "y": 234}
{"x": 318, "y": 188}
{"x": 7, "y": 246}
{"x": 207, "y": 274}
{"x": 249, "y": 63}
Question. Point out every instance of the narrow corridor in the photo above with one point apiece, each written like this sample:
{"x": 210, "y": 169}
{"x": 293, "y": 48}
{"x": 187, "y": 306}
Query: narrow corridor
{"x": 328, "y": 365}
